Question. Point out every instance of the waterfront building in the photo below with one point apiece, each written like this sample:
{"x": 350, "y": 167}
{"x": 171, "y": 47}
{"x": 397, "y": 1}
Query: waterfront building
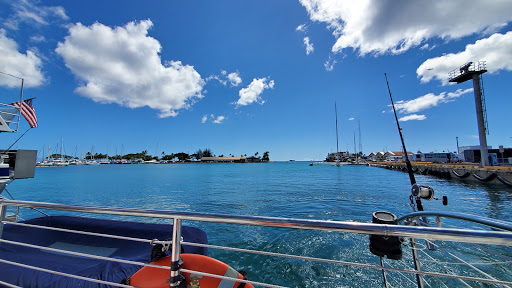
{"x": 225, "y": 159}
{"x": 343, "y": 156}
{"x": 436, "y": 157}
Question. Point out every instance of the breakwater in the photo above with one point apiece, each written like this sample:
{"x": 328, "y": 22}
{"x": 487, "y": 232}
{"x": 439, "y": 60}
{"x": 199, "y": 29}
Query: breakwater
{"x": 471, "y": 173}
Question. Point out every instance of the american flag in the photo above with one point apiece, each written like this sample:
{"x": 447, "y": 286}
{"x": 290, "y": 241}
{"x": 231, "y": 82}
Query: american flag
{"x": 28, "y": 111}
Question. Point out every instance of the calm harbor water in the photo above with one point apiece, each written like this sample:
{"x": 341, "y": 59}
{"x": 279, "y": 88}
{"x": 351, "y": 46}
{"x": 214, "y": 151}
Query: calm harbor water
{"x": 279, "y": 189}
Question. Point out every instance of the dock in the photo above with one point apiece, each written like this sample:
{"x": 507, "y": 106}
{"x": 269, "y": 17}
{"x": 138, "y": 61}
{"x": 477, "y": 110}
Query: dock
{"x": 501, "y": 175}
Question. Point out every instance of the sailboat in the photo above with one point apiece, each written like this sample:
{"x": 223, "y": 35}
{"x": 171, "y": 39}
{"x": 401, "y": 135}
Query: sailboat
{"x": 338, "y": 162}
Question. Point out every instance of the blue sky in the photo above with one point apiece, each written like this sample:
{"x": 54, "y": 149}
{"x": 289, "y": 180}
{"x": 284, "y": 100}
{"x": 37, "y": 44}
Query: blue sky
{"x": 240, "y": 77}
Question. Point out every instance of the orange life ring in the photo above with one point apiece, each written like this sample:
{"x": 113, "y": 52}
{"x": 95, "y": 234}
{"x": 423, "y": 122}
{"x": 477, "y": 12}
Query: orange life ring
{"x": 151, "y": 277}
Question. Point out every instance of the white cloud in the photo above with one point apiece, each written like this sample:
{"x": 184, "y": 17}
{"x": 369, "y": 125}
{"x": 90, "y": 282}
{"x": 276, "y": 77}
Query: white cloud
{"x": 37, "y": 39}
{"x": 329, "y": 64}
{"x": 27, "y": 66}
{"x": 234, "y": 79}
{"x": 412, "y": 117}
{"x": 122, "y": 65}
{"x": 309, "y": 46}
{"x": 217, "y": 77}
{"x": 301, "y": 27}
{"x": 219, "y": 120}
{"x": 495, "y": 50}
{"x": 24, "y": 11}
{"x": 388, "y": 26}
{"x": 351, "y": 118}
{"x": 252, "y": 93}
{"x": 428, "y": 101}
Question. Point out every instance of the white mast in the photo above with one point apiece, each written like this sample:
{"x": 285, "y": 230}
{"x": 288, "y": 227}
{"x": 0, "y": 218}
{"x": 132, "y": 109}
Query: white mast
{"x": 61, "y": 148}
{"x": 337, "y": 149}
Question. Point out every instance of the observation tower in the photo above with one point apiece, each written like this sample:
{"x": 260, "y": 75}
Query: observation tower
{"x": 474, "y": 71}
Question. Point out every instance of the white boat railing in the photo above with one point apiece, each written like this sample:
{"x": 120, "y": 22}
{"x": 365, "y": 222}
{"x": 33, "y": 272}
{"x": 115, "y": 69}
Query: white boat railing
{"x": 501, "y": 237}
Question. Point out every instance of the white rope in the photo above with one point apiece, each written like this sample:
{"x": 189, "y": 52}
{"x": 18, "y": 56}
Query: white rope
{"x": 231, "y": 279}
{"x": 447, "y": 269}
{"x": 121, "y": 261}
{"x": 468, "y": 264}
{"x": 9, "y": 284}
{"x": 424, "y": 273}
{"x": 88, "y": 233}
{"x": 64, "y": 274}
{"x": 84, "y": 254}
{"x": 402, "y": 274}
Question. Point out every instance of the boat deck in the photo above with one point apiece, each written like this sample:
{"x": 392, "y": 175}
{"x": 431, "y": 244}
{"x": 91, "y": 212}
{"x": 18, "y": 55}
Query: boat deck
{"x": 444, "y": 264}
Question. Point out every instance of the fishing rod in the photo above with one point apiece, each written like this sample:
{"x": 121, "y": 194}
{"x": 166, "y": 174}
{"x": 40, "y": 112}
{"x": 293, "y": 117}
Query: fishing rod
{"x": 407, "y": 162}
{"x": 415, "y": 256}
{"x": 417, "y": 191}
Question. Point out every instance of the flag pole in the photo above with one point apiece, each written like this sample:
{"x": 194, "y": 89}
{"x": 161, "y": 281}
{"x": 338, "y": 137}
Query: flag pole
{"x": 17, "y": 140}
{"x": 19, "y": 111}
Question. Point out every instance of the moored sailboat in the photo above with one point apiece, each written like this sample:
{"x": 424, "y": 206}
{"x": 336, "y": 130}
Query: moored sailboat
{"x": 338, "y": 161}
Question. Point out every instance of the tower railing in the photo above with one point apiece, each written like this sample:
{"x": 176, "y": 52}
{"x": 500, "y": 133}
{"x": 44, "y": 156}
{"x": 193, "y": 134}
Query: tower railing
{"x": 468, "y": 67}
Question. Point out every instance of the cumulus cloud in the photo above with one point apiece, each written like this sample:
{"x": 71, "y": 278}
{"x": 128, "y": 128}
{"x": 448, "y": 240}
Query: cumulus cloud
{"x": 219, "y": 119}
{"x": 122, "y": 65}
{"x": 495, "y": 50}
{"x": 301, "y": 28}
{"x": 27, "y": 66}
{"x": 24, "y": 11}
{"x": 218, "y": 78}
{"x": 412, "y": 117}
{"x": 309, "y": 46}
{"x": 252, "y": 93}
{"x": 329, "y": 64}
{"x": 388, "y": 26}
{"x": 37, "y": 39}
{"x": 234, "y": 79}
{"x": 428, "y": 101}
{"x": 351, "y": 118}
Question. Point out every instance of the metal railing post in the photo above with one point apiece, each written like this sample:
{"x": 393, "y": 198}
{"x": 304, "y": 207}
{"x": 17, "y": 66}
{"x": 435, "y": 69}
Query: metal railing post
{"x": 415, "y": 257}
{"x": 176, "y": 278}
{"x": 3, "y": 210}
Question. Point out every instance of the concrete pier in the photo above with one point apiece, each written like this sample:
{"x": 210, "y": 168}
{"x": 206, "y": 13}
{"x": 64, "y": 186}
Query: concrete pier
{"x": 464, "y": 172}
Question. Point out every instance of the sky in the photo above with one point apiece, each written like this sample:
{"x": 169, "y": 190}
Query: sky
{"x": 240, "y": 77}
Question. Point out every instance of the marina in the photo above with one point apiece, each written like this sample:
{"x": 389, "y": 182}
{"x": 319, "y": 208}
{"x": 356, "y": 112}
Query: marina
{"x": 196, "y": 210}
{"x": 185, "y": 97}
{"x": 321, "y": 193}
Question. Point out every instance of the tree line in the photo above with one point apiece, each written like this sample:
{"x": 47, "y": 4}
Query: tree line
{"x": 181, "y": 156}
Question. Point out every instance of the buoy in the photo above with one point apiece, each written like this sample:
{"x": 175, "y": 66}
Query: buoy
{"x": 152, "y": 277}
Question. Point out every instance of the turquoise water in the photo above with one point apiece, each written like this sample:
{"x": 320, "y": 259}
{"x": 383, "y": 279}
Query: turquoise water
{"x": 280, "y": 189}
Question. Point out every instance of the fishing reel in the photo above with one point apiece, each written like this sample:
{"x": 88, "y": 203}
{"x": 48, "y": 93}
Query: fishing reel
{"x": 426, "y": 192}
